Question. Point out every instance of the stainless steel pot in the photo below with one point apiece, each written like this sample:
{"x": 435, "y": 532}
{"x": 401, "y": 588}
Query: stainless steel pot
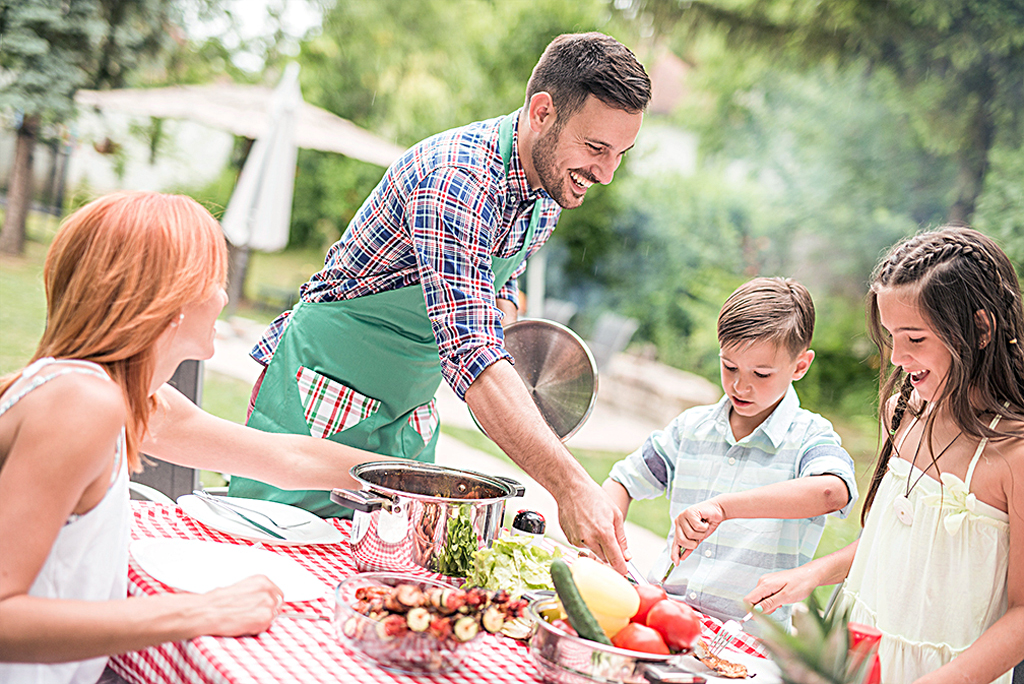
{"x": 415, "y": 517}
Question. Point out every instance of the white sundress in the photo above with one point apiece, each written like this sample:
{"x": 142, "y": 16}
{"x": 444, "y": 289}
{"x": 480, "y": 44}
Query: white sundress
{"x": 933, "y": 586}
{"x": 89, "y": 558}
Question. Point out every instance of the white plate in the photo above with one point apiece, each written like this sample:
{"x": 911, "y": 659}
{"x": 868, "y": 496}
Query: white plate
{"x": 317, "y": 531}
{"x": 201, "y": 566}
{"x": 767, "y": 672}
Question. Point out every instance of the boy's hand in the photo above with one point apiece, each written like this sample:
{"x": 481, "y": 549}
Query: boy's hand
{"x": 694, "y": 525}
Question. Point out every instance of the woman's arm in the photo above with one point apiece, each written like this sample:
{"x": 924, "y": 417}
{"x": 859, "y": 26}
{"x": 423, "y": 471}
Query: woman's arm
{"x": 789, "y": 586}
{"x": 182, "y": 433}
{"x": 59, "y": 442}
{"x": 49, "y": 630}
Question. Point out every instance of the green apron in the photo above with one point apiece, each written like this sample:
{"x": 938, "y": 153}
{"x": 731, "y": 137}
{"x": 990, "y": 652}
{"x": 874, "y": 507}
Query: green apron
{"x": 362, "y": 372}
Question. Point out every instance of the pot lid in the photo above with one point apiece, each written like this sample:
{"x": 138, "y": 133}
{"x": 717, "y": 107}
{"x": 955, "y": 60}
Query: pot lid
{"x": 558, "y": 370}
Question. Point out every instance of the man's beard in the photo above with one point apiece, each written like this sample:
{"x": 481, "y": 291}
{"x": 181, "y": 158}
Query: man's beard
{"x": 543, "y": 156}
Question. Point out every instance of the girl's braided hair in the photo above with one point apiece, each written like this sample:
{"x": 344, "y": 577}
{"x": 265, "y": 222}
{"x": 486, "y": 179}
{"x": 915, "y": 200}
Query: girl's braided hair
{"x": 962, "y": 280}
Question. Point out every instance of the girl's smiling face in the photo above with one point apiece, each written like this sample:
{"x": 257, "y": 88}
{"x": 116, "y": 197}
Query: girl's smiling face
{"x": 916, "y": 346}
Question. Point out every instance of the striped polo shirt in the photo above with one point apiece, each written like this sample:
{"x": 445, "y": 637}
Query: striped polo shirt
{"x": 696, "y": 458}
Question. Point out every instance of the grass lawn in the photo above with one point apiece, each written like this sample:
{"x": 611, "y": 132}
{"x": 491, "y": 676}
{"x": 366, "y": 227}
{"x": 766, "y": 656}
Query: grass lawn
{"x": 23, "y": 310}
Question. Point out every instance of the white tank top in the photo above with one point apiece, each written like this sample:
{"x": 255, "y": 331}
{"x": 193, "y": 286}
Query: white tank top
{"x": 933, "y": 586}
{"x": 89, "y": 558}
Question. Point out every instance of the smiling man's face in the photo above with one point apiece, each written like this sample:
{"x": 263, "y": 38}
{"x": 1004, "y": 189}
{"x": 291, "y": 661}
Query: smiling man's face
{"x": 587, "y": 150}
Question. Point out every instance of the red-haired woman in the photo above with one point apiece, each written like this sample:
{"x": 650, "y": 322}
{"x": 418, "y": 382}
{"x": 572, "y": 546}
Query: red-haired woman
{"x": 134, "y": 283}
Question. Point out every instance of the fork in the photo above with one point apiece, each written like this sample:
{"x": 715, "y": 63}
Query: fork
{"x": 206, "y": 496}
{"x": 729, "y": 630}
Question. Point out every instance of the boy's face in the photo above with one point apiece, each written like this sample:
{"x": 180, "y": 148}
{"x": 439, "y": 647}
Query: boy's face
{"x": 756, "y": 376}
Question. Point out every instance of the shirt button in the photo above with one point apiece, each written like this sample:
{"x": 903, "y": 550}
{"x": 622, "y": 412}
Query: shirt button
{"x": 693, "y": 596}
{"x": 732, "y": 460}
{"x": 707, "y": 553}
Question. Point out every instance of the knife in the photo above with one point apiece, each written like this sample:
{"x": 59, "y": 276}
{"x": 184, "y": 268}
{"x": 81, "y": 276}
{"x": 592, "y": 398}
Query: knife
{"x": 212, "y": 502}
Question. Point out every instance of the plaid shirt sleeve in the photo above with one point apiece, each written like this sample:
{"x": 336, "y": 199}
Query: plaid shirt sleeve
{"x": 453, "y": 219}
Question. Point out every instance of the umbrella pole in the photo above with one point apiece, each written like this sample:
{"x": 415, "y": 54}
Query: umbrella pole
{"x": 237, "y": 270}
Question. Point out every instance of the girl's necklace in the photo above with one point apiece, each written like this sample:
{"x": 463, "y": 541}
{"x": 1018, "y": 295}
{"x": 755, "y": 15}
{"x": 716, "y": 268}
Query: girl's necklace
{"x": 902, "y": 505}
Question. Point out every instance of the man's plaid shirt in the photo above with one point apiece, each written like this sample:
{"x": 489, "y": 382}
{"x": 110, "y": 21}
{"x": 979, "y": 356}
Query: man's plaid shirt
{"x": 436, "y": 218}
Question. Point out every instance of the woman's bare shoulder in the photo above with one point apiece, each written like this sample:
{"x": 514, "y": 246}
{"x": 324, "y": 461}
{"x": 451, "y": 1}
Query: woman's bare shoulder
{"x": 72, "y": 401}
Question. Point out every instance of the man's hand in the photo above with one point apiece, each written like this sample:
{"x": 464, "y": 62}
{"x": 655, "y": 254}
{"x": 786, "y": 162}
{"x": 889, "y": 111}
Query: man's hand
{"x": 693, "y": 526}
{"x": 592, "y": 520}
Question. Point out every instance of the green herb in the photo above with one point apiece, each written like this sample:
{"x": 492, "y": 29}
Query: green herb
{"x": 513, "y": 564}
{"x": 456, "y": 556}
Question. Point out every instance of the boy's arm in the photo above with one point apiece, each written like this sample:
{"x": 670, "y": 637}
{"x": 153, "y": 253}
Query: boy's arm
{"x": 804, "y": 497}
{"x": 618, "y": 494}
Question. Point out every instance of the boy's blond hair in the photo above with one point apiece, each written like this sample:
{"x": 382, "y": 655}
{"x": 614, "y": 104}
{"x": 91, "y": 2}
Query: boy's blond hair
{"x": 778, "y": 310}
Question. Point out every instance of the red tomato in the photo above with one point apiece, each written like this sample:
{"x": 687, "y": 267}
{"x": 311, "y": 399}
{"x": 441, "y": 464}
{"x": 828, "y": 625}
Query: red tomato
{"x": 564, "y": 626}
{"x": 637, "y": 637}
{"x": 676, "y": 622}
{"x": 649, "y": 595}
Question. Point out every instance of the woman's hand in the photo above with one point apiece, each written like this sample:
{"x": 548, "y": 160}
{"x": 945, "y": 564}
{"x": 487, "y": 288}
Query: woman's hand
{"x": 245, "y": 608}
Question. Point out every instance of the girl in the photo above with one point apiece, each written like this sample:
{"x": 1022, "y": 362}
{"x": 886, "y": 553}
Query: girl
{"x": 134, "y": 283}
{"x": 939, "y": 567}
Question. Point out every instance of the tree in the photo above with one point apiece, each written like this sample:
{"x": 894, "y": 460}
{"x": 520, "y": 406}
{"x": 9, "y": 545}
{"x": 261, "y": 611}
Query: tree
{"x": 959, "y": 65}
{"x": 52, "y": 48}
{"x": 44, "y": 45}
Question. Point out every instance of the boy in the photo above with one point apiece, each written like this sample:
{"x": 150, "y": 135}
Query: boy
{"x": 751, "y": 477}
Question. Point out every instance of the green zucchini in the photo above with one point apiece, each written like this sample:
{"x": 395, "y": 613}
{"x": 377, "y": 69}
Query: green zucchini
{"x": 580, "y": 617}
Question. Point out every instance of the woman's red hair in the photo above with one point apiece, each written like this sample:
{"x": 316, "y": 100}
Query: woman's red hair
{"x": 118, "y": 272}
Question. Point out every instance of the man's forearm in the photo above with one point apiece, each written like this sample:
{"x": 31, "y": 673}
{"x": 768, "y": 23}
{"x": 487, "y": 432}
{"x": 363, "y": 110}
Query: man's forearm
{"x": 502, "y": 405}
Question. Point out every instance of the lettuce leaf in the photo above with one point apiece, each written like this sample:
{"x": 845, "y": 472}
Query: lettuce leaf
{"x": 512, "y": 563}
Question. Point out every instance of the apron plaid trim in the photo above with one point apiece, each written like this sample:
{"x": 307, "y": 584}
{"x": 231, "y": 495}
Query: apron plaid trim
{"x": 329, "y": 406}
{"x": 424, "y": 420}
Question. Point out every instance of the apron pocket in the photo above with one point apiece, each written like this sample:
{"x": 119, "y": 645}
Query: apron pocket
{"x": 424, "y": 420}
{"x": 329, "y": 406}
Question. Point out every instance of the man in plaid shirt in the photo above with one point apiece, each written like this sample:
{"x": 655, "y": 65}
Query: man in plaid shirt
{"x": 419, "y": 287}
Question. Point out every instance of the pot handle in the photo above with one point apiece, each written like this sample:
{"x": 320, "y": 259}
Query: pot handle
{"x": 360, "y": 500}
{"x": 517, "y": 488}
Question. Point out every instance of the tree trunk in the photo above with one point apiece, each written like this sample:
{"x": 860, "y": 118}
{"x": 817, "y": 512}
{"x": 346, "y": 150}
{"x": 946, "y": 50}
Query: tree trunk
{"x": 19, "y": 193}
{"x": 973, "y": 157}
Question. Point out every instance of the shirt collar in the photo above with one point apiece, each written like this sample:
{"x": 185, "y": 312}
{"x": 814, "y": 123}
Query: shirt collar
{"x": 517, "y": 181}
{"x": 775, "y": 426}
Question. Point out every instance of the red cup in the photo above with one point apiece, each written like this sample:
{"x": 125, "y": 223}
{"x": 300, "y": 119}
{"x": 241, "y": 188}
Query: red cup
{"x": 864, "y": 644}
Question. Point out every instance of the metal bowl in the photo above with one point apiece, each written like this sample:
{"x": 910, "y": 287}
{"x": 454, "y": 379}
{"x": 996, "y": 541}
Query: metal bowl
{"x": 558, "y": 370}
{"x": 566, "y": 659}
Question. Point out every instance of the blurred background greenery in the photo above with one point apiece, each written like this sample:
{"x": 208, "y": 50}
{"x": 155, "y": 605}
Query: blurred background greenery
{"x": 823, "y": 133}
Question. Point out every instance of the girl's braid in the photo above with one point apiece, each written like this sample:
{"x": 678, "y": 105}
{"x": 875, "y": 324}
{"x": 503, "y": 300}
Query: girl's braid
{"x": 902, "y": 402}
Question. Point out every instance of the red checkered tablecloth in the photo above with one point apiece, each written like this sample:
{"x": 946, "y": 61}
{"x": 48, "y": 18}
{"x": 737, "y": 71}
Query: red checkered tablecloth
{"x": 296, "y": 650}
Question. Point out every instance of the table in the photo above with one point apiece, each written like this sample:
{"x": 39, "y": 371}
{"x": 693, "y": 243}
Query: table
{"x": 298, "y": 650}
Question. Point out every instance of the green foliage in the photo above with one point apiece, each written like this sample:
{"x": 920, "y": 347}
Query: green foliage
{"x": 957, "y": 66}
{"x": 45, "y": 47}
{"x": 817, "y": 651}
{"x": 329, "y": 189}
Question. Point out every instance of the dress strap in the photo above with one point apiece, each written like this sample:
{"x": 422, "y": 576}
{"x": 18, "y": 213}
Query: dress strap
{"x": 35, "y": 380}
{"x": 977, "y": 453}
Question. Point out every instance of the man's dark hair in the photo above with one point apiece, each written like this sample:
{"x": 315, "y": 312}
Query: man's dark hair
{"x": 575, "y": 65}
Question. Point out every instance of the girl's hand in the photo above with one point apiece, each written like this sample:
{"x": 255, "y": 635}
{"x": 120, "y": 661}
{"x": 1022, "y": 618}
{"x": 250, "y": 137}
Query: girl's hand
{"x": 693, "y": 526}
{"x": 245, "y": 608}
{"x": 782, "y": 588}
